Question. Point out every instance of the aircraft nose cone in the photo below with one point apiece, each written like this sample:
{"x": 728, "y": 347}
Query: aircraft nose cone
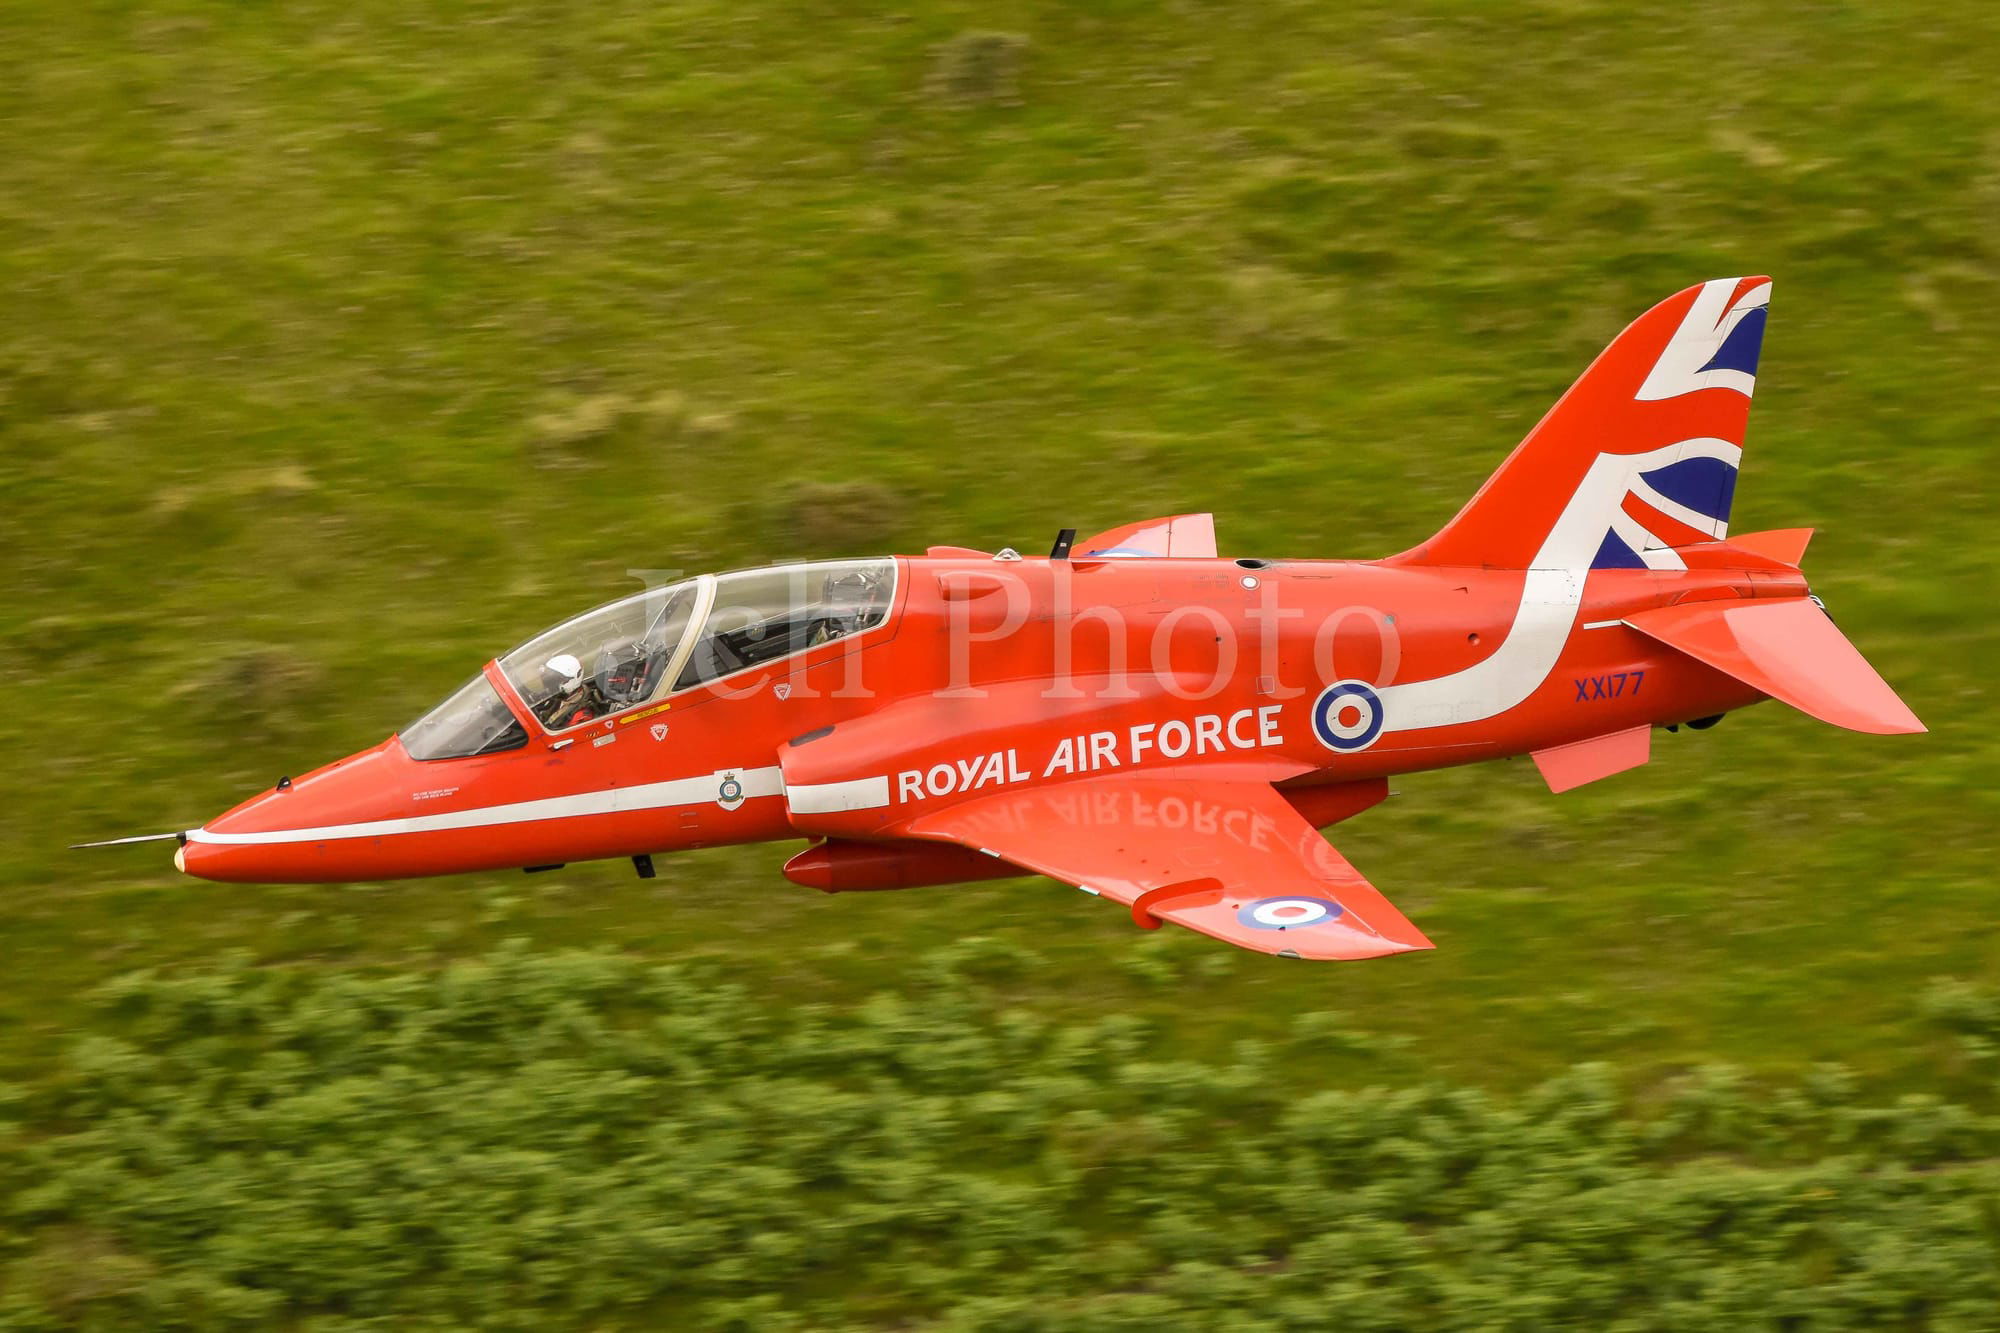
{"x": 287, "y": 834}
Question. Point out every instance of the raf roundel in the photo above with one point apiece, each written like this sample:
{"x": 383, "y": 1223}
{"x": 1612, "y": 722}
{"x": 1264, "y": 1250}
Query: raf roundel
{"x": 1287, "y": 913}
{"x": 1347, "y": 716}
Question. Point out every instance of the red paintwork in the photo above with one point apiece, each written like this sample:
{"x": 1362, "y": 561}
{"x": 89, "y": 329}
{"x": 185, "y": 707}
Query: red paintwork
{"x": 931, "y": 747}
{"x": 1325, "y": 806}
{"x": 1182, "y": 894}
{"x": 1183, "y": 534}
{"x": 849, "y": 867}
{"x": 1790, "y": 651}
{"x": 1784, "y": 546}
{"x": 1127, "y": 837}
{"x": 1572, "y": 765}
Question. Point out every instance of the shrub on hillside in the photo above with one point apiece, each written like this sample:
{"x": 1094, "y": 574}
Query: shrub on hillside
{"x": 573, "y": 1139}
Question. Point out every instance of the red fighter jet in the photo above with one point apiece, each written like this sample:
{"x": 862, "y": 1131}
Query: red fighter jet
{"x": 1132, "y": 714}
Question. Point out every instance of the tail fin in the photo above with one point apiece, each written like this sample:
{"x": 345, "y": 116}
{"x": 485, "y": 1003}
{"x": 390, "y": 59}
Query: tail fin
{"x": 1639, "y": 456}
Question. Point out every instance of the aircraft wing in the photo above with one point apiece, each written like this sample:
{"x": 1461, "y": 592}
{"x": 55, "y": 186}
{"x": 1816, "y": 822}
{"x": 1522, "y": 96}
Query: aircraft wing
{"x": 1179, "y": 535}
{"x": 1227, "y": 857}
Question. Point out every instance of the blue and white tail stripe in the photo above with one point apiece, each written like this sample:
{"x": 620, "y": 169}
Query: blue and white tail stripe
{"x": 1692, "y": 482}
{"x": 1716, "y": 346}
{"x": 1697, "y": 490}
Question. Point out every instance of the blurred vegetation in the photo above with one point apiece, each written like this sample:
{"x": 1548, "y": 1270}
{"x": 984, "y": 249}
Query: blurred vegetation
{"x": 580, "y": 1140}
{"x": 347, "y": 345}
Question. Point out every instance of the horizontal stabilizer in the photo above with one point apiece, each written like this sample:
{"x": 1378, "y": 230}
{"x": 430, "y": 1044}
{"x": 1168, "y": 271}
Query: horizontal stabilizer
{"x": 1785, "y": 545}
{"x": 1744, "y": 554}
{"x": 1789, "y": 650}
{"x": 1572, "y": 765}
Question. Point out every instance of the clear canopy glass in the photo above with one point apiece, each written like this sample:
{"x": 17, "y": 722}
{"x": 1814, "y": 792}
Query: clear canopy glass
{"x": 472, "y": 721}
{"x": 631, "y": 652}
{"x": 605, "y": 661}
{"x": 763, "y": 615}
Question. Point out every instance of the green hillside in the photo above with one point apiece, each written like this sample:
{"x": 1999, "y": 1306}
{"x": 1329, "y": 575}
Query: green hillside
{"x": 346, "y": 345}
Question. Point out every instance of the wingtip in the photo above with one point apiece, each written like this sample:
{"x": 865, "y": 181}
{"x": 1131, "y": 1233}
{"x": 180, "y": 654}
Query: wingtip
{"x": 1357, "y": 948}
{"x": 1399, "y": 935}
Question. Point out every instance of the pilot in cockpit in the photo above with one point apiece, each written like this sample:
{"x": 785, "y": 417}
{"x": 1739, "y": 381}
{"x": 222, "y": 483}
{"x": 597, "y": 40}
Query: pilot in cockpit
{"x": 623, "y": 677}
{"x": 572, "y": 698}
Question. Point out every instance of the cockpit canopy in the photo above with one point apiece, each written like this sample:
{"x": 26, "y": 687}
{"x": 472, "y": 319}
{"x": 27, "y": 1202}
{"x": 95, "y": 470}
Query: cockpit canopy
{"x": 472, "y": 721}
{"x": 656, "y": 643}
{"x": 604, "y": 661}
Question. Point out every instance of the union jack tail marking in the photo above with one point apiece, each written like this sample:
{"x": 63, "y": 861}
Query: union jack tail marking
{"x": 1639, "y": 457}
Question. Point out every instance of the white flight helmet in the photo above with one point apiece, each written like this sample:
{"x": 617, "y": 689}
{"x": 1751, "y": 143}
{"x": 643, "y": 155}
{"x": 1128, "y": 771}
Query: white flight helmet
{"x": 565, "y": 668}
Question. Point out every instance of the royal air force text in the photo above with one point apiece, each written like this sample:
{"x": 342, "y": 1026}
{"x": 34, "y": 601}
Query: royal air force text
{"x": 1096, "y": 751}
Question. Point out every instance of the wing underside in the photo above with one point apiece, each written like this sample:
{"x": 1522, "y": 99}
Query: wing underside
{"x": 1229, "y": 858}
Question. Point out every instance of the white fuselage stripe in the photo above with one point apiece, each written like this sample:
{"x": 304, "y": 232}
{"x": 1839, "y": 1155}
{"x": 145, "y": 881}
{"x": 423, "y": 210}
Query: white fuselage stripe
{"x": 827, "y": 798}
{"x": 1551, "y": 594}
{"x": 617, "y": 800}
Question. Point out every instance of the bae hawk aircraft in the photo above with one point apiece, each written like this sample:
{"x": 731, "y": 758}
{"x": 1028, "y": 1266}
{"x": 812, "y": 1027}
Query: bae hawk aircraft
{"x": 1132, "y": 714}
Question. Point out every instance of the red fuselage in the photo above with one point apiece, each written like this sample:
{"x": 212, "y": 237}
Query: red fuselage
{"x": 991, "y": 673}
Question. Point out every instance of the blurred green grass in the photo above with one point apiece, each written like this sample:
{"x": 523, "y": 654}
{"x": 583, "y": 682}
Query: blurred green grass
{"x": 348, "y": 344}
